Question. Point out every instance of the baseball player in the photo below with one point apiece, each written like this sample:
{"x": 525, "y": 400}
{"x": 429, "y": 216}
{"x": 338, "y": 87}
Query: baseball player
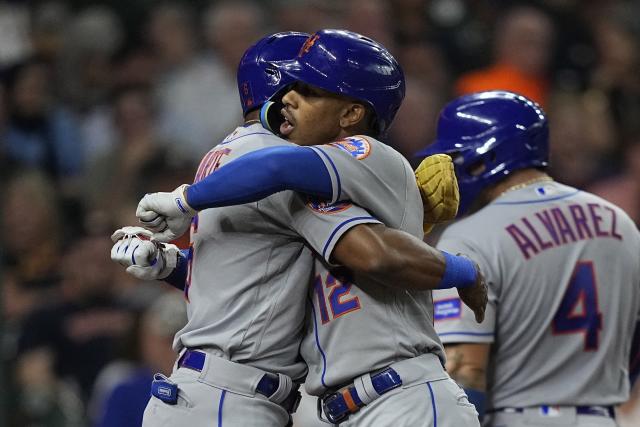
{"x": 238, "y": 333}
{"x": 372, "y": 352}
{"x": 562, "y": 267}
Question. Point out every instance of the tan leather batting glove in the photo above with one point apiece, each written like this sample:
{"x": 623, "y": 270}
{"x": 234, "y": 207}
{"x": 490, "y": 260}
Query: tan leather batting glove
{"x": 438, "y": 186}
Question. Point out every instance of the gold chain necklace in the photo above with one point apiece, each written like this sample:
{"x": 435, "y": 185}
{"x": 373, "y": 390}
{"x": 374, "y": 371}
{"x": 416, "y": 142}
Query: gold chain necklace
{"x": 250, "y": 122}
{"x": 527, "y": 183}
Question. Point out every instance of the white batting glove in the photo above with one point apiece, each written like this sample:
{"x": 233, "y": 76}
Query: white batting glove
{"x": 143, "y": 257}
{"x": 167, "y": 215}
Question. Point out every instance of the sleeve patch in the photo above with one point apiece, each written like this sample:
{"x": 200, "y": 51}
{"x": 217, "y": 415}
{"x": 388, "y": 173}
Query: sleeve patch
{"x": 447, "y": 309}
{"x": 356, "y": 146}
{"x": 325, "y": 207}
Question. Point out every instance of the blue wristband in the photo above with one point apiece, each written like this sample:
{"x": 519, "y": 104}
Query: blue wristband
{"x": 459, "y": 272}
{"x": 178, "y": 276}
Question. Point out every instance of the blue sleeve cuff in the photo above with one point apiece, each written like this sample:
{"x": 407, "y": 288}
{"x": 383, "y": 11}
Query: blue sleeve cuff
{"x": 261, "y": 173}
{"x": 460, "y": 272}
{"x": 178, "y": 276}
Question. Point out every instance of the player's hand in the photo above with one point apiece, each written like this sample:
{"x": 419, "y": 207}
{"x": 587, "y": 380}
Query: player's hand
{"x": 167, "y": 215}
{"x": 438, "y": 186}
{"x": 143, "y": 257}
{"x": 476, "y": 296}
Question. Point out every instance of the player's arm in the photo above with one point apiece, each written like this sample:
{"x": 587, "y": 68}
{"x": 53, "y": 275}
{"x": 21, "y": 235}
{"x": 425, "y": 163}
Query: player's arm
{"x": 397, "y": 259}
{"x": 246, "y": 179}
{"x": 467, "y": 343}
{"x": 262, "y": 173}
{"x": 467, "y": 365}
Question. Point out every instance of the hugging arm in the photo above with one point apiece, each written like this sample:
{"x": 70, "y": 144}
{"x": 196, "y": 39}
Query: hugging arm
{"x": 397, "y": 259}
{"x": 261, "y": 173}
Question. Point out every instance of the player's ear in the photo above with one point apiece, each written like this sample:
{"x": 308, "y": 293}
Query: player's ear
{"x": 353, "y": 114}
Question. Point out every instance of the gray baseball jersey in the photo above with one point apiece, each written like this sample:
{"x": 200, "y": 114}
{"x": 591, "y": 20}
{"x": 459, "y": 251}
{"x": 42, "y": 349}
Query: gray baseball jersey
{"x": 564, "y": 294}
{"x": 351, "y": 330}
{"x": 250, "y": 267}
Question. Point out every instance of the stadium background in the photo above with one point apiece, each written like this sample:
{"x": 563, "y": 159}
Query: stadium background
{"x": 102, "y": 101}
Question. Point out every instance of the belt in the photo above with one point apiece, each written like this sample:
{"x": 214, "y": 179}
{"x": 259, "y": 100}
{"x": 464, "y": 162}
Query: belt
{"x": 167, "y": 391}
{"x": 338, "y": 405}
{"x": 601, "y": 411}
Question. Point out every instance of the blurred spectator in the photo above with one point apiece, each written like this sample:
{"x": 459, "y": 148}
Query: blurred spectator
{"x": 409, "y": 18}
{"x": 42, "y": 401}
{"x": 371, "y": 18}
{"x": 4, "y": 121}
{"x": 31, "y": 230}
{"x": 624, "y": 189}
{"x": 617, "y": 73}
{"x": 139, "y": 162}
{"x": 230, "y": 27}
{"x": 40, "y": 134}
{"x": 575, "y": 52}
{"x": 85, "y": 68}
{"x": 49, "y": 23}
{"x": 68, "y": 341}
{"x": 123, "y": 404}
{"x": 117, "y": 175}
{"x": 14, "y": 32}
{"x": 307, "y": 16}
{"x": 414, "y": 126}
{"x": 31, "y": 244}
{"x": 198, "y": 101}
{"x": 134, "y": 67}
{"x": 463, "y": 30}
{"x": 582, "y": 139}
{"x": 523, "y": 47}
{"x": 425, "y": 61}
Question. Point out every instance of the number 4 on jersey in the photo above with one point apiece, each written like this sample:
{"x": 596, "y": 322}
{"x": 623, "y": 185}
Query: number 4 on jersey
{"x": 578, "y": 311}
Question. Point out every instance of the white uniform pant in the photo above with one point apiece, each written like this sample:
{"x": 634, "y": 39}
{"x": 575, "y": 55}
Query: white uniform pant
{"x": 440, "y": 403}
{"x": 427, "y": 398}
{"x": 203, "y": 402}
{"x": 534, "y": 417}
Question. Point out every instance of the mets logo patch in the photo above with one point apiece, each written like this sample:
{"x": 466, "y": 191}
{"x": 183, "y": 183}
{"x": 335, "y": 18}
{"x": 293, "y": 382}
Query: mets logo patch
{"x": 308, "y": 44}
{"x": 328, "y": 208}
{"x": 447, "y": 309}
{"x": 356, "y": 146}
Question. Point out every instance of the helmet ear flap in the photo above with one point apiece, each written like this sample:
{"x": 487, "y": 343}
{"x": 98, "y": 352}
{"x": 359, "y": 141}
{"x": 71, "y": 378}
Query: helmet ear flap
{"x": 270, "y": 116}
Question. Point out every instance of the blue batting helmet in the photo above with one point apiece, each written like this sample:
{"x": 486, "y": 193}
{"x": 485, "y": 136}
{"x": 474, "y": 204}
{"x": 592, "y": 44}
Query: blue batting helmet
{"x": 258, "y": 77}
{"x": 349, "y": 64}
{"x": 489, "y": 135}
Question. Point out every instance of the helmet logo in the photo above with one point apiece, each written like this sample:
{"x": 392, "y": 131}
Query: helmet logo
{"x": 273, "y": 75}
{"x": 308, "y": 44}
{"x": 247, "y": 95}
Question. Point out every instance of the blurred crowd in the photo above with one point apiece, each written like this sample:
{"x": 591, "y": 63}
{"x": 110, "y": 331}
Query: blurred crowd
{"x": 103, "y": 101}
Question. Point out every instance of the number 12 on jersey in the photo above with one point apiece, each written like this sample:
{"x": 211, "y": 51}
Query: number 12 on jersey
{"x": 339, "y": 300}
{"x": 578, "y": 311}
